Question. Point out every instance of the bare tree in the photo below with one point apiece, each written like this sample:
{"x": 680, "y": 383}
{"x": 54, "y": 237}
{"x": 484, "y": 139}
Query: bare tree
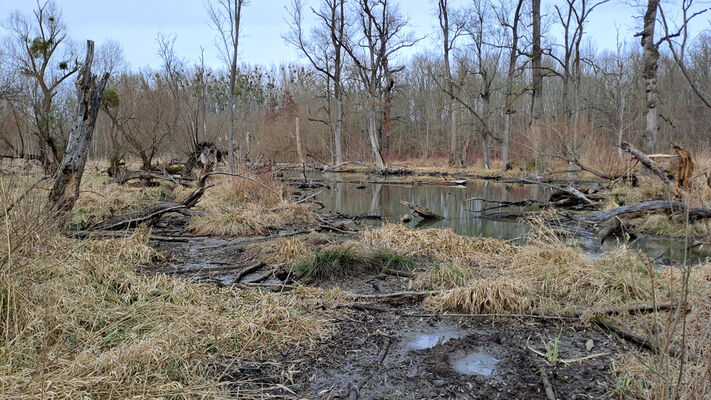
{"x": 382, "y": 37}
{"x": 449, "y": 36}
{"x": 572, "y": 20}
{"x": 225, "y": 16}
{"x": 537, "y": 83}
{"x": 65, "y": 190}
{"x": 678, "y": 47}
{"x": 38, "y": 43}
{"x": 324, "y": 50}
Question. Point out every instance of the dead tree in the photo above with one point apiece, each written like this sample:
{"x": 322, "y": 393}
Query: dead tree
{"x": 382, "y": 37}
{"x": 152, "y": 214}
{"x": 65, "y": 191}
{"x": 226, "y": 17}
{"x": 537, "y": 83}
{"x": 686, "y": 168}
{"x": 325, "y": 56}
{"x": 650, "y": 65}
{"x": 36, "y": 48}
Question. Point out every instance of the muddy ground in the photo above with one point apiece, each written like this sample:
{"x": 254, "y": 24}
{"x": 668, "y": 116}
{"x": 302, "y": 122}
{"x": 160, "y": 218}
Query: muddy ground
{"x": 385, "y": 350}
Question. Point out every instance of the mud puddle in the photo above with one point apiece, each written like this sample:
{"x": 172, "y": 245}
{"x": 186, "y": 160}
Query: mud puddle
{"x": 475, "y": 363}
{"x": 373, "y": 356}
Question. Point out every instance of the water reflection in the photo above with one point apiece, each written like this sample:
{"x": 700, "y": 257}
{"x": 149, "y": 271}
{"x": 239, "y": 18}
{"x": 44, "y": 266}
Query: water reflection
{"x": 462, "y": 208}
{"x": 453, "y": 203}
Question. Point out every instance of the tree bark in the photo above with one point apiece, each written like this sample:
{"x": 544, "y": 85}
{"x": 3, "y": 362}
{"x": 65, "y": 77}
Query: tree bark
{"x": 537, "y": 84}
{"x": 373, "y": 136}
{"x": 299, "y": 149}
{"x": 65, "y": 191}
{"x": 650, "y": 59}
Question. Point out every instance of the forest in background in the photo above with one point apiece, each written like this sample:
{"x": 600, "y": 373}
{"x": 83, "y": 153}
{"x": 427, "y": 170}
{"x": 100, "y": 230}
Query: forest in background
{"x": 496, "y": 92}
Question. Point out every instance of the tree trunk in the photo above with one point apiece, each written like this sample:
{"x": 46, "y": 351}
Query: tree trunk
{"x": 455, "y": 160}
{"x": 509, "y": 95}
{"x": 373, "y": 136}
{"x": 537, "y": 84}
{"x": 299, "y": 150}
{"x": 649, "y": 74}
{"x": 387, "y": 105}
{"x": 65, "y": 191}
{"x": 339, "y": 129}
{"x": 233, "y": 81}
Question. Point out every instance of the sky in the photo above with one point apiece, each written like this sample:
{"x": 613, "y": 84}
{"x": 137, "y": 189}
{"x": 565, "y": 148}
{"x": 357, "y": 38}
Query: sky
{"x": 136, "y": 24}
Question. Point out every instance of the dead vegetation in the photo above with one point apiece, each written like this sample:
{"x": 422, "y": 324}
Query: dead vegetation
{"x": 237, "y": 207}
{"x": 78, "y": 320}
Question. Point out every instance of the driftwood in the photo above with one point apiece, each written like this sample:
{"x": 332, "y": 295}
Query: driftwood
{"x": 421, "y": 211}
{"x": 647, "y": 162}
{"x": 695, "y": 213}
{"x": 686, "y": 168}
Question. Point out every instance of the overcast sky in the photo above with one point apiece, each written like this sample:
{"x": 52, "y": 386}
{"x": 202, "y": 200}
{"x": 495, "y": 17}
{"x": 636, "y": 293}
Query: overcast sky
{"x": 136, "y": 23}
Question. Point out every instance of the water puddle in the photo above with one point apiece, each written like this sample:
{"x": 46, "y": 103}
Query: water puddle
{"x": 423, "y": 341}
{"x": 475, "y": 363}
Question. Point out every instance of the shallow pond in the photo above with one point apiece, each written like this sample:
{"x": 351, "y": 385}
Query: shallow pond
{"x": 463, "y": 208}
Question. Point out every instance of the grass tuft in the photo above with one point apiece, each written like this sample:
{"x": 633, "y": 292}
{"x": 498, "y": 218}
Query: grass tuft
{"x": 342, "y": 261}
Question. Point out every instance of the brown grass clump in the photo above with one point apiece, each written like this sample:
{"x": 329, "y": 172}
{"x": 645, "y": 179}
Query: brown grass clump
{"x": 445, "y": 276}
{"x": 77, "y": 321}
{"x": 243, "y": 208}
{"x": 502, "y": 295}
{"x": 439, "y": 244}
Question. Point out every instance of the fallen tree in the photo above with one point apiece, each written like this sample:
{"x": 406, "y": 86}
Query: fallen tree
{"x": 647, "y": 162}
{"x": 152, "y": 214}
{"x": 695, "y": 213}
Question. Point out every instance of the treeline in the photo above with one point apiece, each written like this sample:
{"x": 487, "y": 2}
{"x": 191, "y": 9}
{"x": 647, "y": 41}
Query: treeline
{"x": 507, "y": 85}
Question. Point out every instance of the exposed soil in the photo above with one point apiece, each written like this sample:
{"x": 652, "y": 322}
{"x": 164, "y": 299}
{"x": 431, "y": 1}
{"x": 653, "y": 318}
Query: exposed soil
{"x": 391, "y": 351}
{"x": 379, "y": 355}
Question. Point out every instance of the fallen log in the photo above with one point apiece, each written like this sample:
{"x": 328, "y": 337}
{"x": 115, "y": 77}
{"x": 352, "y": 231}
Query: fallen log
{"x": 150, "y": 175}
{"x": 695, "y": 213}
{"x": 642, "y": 342}
{"x": 647, "y": 162}
{"x": 152, "y": 214}
{"x": 421, "y": 211}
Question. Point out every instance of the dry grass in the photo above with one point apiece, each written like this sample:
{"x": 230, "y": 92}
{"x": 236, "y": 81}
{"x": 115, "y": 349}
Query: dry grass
{"x": 501, "y": 295}
{"x": 444, "y": 276}
{"x": 242, "y": 208}
{"x": 439, "y": 244}
{"x": 78, "y": 321}
{"x": 656, "y": 376}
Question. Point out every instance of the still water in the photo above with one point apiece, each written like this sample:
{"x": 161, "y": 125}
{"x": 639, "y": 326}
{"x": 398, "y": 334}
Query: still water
{"x": 463, "y": 207}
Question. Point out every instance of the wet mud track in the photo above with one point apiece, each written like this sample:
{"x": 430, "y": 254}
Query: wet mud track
{"x": 397, "y": 355}
{"x": 400, "y": 351}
